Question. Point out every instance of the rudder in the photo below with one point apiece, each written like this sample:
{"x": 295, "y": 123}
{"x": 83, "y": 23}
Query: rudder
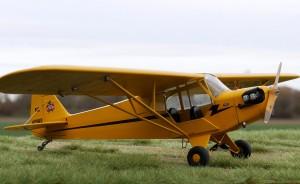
{"x": 47, "y": 108}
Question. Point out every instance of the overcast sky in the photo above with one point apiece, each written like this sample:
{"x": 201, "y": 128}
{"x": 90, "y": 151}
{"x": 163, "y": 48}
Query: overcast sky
{"x": 191, "y": 36}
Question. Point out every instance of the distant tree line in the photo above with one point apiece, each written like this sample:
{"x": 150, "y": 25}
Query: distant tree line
{"x": 19, "y": 105}
{"x": 288, "y": 104}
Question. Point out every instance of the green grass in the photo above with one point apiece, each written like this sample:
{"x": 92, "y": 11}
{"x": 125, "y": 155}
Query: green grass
{"x": 276, "y": 159}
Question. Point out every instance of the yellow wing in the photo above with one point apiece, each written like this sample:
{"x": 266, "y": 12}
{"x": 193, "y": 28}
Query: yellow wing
{"x": 67, "y": 80}
{"x": 234, "y": 81}
{"x": 70, "y": 80}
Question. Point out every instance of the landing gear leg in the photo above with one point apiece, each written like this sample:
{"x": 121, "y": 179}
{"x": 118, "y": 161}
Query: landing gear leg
{"x": 43, "y": 145}
{"x": 238, "y": 149}
{"x": 198, "y": 156}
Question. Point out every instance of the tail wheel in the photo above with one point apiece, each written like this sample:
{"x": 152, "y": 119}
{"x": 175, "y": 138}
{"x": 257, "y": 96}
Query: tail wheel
{"x": 198, "y": 156}
{"x": 40, "y": 148}
{"x": 245, "y": 150}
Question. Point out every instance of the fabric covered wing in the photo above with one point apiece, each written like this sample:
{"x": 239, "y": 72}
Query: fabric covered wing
{"x": 70, "y": 80}
{"x": 67, "y": 80}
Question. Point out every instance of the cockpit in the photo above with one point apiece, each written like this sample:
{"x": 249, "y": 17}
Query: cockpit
{"x": 193, "y": 100}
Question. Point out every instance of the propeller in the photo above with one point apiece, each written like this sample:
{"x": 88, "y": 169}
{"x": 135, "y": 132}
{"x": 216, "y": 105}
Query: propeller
{"x": 273, "y": 95}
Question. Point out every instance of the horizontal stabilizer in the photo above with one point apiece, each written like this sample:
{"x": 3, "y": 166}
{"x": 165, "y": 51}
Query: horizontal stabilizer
{"x": 36, "y": 126}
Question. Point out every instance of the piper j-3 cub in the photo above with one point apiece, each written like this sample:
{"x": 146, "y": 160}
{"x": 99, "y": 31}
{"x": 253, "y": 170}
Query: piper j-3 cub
{"x": 197, "y": 108}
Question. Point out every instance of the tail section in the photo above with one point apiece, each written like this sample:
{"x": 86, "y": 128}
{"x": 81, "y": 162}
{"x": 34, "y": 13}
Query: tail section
{"x": 47, "y": 108}
{"x": 46, "y": 111}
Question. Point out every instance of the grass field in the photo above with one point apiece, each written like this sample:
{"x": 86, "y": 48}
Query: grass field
{"x": 275, "y": 159}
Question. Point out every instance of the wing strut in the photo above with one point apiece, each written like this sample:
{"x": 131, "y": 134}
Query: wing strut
{"x": 129, "y": 94}
{"x": 134, "y": 114}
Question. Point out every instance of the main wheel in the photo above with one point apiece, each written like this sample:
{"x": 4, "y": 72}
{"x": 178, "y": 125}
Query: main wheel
{"x": 245, "y": 149}
{"x": 198, "y": 156}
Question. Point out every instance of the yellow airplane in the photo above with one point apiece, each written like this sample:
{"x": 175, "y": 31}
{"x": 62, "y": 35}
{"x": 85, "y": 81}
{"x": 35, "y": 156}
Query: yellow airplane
{"x": 196, "y": 108}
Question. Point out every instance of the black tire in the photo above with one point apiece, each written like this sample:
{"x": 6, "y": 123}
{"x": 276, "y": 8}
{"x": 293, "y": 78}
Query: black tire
{"x": 40, "y": 148}
{"x": 245, "y": 150}
{"x": 201, "y": 153}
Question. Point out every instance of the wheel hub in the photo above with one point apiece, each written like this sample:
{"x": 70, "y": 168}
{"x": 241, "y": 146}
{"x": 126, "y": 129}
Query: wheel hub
{"x": 196, "y": 158}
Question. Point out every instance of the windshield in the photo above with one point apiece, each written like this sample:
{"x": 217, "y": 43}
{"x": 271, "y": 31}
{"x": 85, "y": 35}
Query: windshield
{"x": 215, "y": 85}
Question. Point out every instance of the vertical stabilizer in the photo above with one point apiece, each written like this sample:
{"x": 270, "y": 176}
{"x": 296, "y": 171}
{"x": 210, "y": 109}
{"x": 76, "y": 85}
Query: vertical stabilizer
{"x": 47, "y": 108}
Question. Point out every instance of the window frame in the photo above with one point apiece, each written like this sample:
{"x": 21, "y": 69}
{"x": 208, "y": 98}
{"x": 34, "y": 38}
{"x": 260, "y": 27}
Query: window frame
{"x": 178, "y": 90}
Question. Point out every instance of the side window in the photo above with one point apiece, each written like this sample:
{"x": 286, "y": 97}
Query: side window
{"x": 173, "y": 102}
{"x": 191, "y": 96}
{"x": 199, "y": 97}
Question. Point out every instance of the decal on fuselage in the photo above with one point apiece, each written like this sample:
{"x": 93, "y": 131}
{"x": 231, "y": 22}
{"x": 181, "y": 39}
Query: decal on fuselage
{"x": 50, "y": 107}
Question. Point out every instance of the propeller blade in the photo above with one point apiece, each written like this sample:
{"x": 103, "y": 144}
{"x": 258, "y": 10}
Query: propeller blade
{"x": 277, "y": 76}
{"x": 273, "y": 95}
{"x": 270, "y": 106}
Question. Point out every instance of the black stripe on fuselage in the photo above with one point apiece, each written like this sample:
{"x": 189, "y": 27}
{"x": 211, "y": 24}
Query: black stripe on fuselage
{"x": 214, "y": 112}
{"x": 215, "y": 109}
{"x": 109, "y": 123}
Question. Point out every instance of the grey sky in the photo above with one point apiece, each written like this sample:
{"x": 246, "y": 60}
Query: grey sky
{"x": 190, "y": 36}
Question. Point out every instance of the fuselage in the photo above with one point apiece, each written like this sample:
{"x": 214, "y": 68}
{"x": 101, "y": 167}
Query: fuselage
{"x": 227, "y": 112}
